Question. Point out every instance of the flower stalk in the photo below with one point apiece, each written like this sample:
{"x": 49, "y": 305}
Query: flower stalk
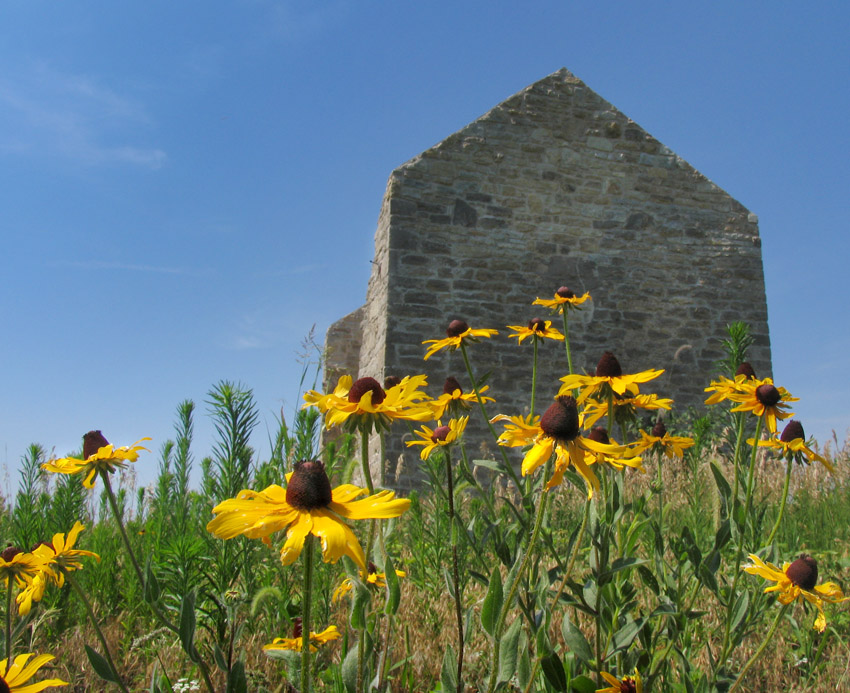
{"x": 306, "y": 599}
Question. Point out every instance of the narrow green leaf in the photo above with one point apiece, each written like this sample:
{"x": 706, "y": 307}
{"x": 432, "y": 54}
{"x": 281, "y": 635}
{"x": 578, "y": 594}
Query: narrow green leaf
{"x": 492, "y": 602}
{"x": 448, "y": 672}
{"x": 152, "y": 590}
{"x": 236, "y": 679}
{"x": 722, "y": 485}
{"x": 187, "y": 624}
{"x": 576, "y": 641}
{"x": 583, "y": 684}
{"x": 359, "y": 607}
{"x": 508, "y": 651}
{"x": 624, "y": 637}
{"x": 100, "y": 665}
{"x": 393, "y": 590}
{"x": 348, "y": 669}
{"x": 742, "y": 604}
{"x": 554, "y": 672}
{"x": 523, "y": 671}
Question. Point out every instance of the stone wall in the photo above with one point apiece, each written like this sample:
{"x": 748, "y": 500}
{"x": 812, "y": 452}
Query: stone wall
{"x": 556, "y": 187}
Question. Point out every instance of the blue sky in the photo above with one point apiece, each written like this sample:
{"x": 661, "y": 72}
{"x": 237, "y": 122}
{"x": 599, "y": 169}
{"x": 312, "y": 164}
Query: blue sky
{"x": 188, "y": 187}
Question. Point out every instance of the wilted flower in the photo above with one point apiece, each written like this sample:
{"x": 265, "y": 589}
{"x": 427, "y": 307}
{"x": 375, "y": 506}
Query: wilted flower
{"x": 295, "y": 643}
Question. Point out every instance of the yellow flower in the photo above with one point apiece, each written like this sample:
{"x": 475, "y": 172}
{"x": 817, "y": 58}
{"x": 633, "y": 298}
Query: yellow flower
{"x": 33, "y": 592}
{"x": 519, "y": 431}
{"x": 454, "y": 399}
{"x": 19, "y": 566}
{"x": 609, "y": 377}
{"x": 537, "y": 329}
{"x": 365, "y": 404}
{"x": 629, "y": 684}
{"x": 457, "y": 332}
{"x": 439, "y": 437}
{"x": 98, "y": 456}
{"x": 316, "y": 639}
{"x": 564, "y": 298}
{"x": 307, "y": 505}
{"x": 60, "y": 556}
{"x": 374, "y": 578}
{"x": 22, "y": 670}
{"x": 659, "y": 439}
{"x": 624, "y": 407}
{"x": 792, "y": 445}
{"x": 763, "y": 398}
{"x": 617, "y": 456}
{"x": 725, "y": 388}
{"x": 798, "y": 580}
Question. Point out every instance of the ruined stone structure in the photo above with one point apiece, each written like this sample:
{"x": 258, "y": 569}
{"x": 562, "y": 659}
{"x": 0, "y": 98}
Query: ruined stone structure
{"x": 555, "y": 187}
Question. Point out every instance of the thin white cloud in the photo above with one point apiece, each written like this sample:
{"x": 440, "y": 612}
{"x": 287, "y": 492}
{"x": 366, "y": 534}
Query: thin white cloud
{"x": 48, "y": 113}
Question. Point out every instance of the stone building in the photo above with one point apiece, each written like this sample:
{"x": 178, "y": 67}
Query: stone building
{"x": 555, "y": 187}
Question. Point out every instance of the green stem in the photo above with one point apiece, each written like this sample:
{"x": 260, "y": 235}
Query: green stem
{"x": 782, "y": 503}
{"x": 455, "y": 572}
{"x": 508, "y": 603}
{"x": 364, "y": 459}
{"x": 113, "y": 504}
{"x": 9, "y": 580}
{"x": 574, "y": 554}
{"x": 567, "y": 339}
{"x": 760, "y": 650}
{"x": 82, "y": 595}
{"x": 533, "y": 377}
{"x": 306, "y": 598}
{"x": 736, "y": 463}
{"x": 509, "y": 468}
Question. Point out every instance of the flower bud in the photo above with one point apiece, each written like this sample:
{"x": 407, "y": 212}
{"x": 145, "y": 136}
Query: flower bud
{"x": 793, "y": 431}
{"x": 608, "y": 366}
{"x": 564, "y": 292}
{"x": 309, "y": 487}
{"x": 768, "y": 395}
{"x": 451, "y": 385}
{"x": 92, "y": 442}
{"x": 456, "y": 328}
{"x": 560, "y": 420}
{"x": 364, "y": 385}
{"x": 746, "y": 369}
{"x": 803, "y": 572}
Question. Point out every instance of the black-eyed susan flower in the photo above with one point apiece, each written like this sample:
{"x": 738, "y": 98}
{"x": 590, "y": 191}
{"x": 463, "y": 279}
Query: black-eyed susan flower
{"x": 19, "y": 566}
{"x": 33, "y": 592}
{"x": 294, "y": 643}
{"x": 726, "y": 388}
{"x": 625, "y": 408}
{"x": 373, "y": 579}
{"x": 15, "y": 678}
{"x": 363, "y": 403}
{"x": 519, "y": 430}
{"x": 763, "y": 398}
{"x": 798, "y": 581}
{"x": 60, "y": 557}
{"x": 98, "y": 456}
{"x": 441, "y": 436}
{"x": 307, "y": 505}
{"x": 617, "y": 456}
{"x": 563, "y": 299}
{"x": 454, "y": 400}
{"x": 791, "y": 445}
{"x": 456, "y": 333}
{"x": 537, "y": 329}
{"x": 659, "y": 440}
{"x": 609, "y": 378}
{"x": 628, "y": 684}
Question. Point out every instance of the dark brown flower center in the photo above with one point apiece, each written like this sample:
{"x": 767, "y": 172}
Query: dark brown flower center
{"x": 537, "y": 325}
{"x": 560, "y": 420}
{"x": 628, "y": 685}
{"x": 659, "y": 430}
{"x": 608, "y": 366}
{"x": 309, "y": 487}
{"x": 297, "y": 630}
{"x": 768, "y": 395}
{"x": 793, "y": 431}
{"x": 599, "y": 434}
{"x": 391, "y": 381}
{"x": 456, "y": 328}
{"x": 4, "y": 687}
{"x": 92, "y": 442}
{"x": 9, "y": 553}
{"x": 564, "y": 292}
{"x": 364, "y": 385}
{"x": 746, "y": 369}
{"x": 451, "y": 385}
{"x": 440, "y": 434}
{"x": 803, "y": 572}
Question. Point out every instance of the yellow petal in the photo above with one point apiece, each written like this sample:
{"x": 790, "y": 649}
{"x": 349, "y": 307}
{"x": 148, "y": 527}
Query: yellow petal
{"x": 298, "y": 531}
{"x": 337, "y": 539}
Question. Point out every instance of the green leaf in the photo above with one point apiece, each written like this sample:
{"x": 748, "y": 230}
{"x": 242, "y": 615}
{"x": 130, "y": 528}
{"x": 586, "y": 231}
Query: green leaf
{"x": 523, "y": 671}
{"x": 624, "y": 637}
{"x": 393, "y": 590}
{"x": 508, "y": 651}
{"x": 554, "y": 672}
{"x": 583, "y": 684}
{"x": 359, "y": 607}
{"x": 100, "y": 665}
{"x": 492, "y": 605}
{"x": 187, "y": 624}
{"x": 742, "y": 604}
{"x": 348, "y": 669}
{"x": 489, "y": 464}
{"x": 576, "y": 641}
{"x": 236, "y": 679}
{"x": 620, "y": 564}
{"x": 152, "y": 590}
{"x": 448, "y": 672}
{"x": 722, "y": 485}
